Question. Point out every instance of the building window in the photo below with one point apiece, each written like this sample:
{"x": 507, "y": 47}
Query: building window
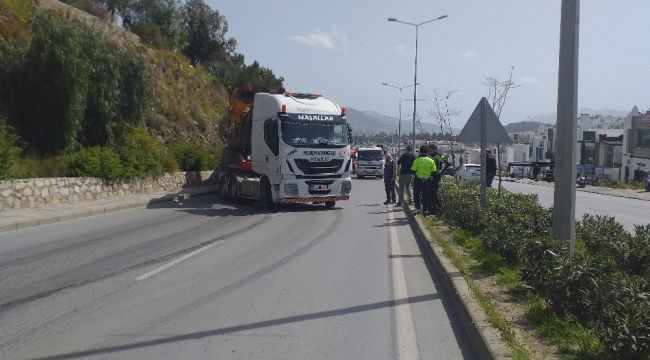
{"x": 643, "y": 138}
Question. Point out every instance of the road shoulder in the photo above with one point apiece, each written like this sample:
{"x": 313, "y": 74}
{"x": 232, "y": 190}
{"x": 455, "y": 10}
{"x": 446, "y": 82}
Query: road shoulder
{"x": 24, "y": 218}
{"x": 483, "y": 337}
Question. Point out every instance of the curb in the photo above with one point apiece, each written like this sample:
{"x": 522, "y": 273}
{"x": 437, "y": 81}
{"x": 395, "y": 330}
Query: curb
{"x": 109, "y": 209}
{"x": 590, "y": 191}
{"x": 484, "y": 340}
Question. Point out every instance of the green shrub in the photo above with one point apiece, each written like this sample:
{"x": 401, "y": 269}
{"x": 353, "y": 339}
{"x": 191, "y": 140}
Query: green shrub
{"x": 37, "y": 167}
{"x": 623, "y": 322}
{"x": 141, "y": 154}
{"x": 8, "y": 149}
{"x": 505, "y": 225}
{"x": 94, "y": 89}
{"x": 603, "y": 287}
{"x": 512, "y": 220}
{"x": 195, "y": 156}
{"x": 604, "y": 236}
{"x": 96, "y": 161}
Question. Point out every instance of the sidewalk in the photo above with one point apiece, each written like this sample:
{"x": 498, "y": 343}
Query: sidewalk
{"x": 624, "y": 193}
{"x": 22, "y": 218}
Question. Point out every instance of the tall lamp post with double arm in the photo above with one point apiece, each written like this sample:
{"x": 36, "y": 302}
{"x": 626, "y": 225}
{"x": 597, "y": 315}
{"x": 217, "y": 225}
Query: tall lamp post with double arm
{"x": 399, "y": 126}
{"x": 415, "y": 77}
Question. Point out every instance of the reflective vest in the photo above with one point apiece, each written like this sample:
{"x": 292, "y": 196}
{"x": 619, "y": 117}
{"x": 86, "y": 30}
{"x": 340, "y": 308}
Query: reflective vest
{"x": 423, "y": 166}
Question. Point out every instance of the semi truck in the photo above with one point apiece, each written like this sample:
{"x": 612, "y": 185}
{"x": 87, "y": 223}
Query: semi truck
{"x": 285, "y": 148}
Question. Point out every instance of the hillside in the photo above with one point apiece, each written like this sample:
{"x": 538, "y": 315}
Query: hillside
{"x": 372, "y": 122}
{"x": 75, "y": 89}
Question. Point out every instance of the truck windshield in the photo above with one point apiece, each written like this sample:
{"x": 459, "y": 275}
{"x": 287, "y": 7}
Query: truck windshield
{"x": 313, "y": 133}
{"x": 373, "y": 155}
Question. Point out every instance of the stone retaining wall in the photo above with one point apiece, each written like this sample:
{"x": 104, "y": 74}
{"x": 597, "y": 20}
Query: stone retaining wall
{"x": 27, "y": 193}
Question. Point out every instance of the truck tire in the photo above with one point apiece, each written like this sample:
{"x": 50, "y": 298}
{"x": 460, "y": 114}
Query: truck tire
{"x": 381, "y": 176}
{"x": 330, "y": 204}
{"x": 266, "y": 198}
{"x": 223, "y": 188}
{"x": 233, "y": 191}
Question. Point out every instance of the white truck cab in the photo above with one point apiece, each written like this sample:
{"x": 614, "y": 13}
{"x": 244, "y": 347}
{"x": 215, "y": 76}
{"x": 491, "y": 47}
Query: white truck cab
{"x": 370, "y": 162}
{"x": 299, "y": 151}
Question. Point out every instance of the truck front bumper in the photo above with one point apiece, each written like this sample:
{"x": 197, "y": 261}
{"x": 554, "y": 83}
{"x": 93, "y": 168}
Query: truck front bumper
{"x": 317, "y": 200}
{"x": 370, "y": 172}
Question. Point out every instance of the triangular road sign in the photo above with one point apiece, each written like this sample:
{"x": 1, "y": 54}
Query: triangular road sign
{"x": 495, "y": 132}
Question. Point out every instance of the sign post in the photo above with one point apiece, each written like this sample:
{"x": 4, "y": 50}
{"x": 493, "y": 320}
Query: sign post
{"x": 483, "y": 127}
{"x": 483, "y": 106}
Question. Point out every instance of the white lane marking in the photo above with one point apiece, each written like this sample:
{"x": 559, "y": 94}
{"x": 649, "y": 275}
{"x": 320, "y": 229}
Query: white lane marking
{"x": 166, "y": 266}
{"x": 407, "y": 347}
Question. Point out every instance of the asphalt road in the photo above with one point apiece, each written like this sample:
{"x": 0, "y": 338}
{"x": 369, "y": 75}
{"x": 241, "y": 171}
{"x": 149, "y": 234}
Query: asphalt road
{"x": 628, "y": 212}
{"x": 206, "y": 280}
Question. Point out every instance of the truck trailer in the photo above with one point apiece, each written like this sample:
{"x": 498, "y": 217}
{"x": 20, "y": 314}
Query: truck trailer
{"x": 286, "y": 148}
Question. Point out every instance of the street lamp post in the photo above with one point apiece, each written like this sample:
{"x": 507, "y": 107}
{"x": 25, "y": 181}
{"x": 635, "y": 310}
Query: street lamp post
{"x": 399, "y": 126}
{"x": 415, "y": 76}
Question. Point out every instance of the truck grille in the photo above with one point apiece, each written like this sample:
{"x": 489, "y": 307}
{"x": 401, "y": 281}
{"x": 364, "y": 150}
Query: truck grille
{"x": 325, "y": 167}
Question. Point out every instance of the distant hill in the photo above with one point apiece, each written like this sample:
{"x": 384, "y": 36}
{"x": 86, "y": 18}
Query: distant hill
{"x": 363, "y": 123}
{"x": 522, "y": 126}
{"x": 370, "y": 122}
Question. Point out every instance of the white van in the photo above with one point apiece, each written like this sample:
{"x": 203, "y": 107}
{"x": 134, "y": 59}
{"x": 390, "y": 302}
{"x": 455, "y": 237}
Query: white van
{"x": 370, "y": 162}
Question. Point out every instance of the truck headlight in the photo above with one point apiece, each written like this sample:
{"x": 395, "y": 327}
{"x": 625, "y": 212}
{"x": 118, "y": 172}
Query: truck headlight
{"x": 291, "y": 189}
{"x": 346, "y": 187}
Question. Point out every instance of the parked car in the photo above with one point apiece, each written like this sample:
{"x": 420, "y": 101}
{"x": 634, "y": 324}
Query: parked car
{"x": 469, "y": 172}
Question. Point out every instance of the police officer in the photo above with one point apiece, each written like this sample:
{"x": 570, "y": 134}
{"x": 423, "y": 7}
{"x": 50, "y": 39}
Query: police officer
{"x": 436, "y": 177}
{"x": 423, "y": 167}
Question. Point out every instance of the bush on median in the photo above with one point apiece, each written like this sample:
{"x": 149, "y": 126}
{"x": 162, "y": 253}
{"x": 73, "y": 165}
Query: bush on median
{"x": 604, "y": 286}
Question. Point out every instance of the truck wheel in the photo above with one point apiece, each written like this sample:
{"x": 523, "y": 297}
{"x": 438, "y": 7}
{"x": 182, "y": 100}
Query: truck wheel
{"x": 381, "y": 176}
{"x": 233, "y": 192}
{"x": 223, "y": 188}
{"x": 266, "y": 198}
{"x": 330, "y": 204}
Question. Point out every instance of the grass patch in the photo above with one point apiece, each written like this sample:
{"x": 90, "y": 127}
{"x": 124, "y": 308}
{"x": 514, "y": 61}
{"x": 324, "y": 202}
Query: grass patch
{"x": 615, "y": 184}
{"x": 21, "y": 9}
{"x": 466, "y": 266}
{"x": 573, "y": 340}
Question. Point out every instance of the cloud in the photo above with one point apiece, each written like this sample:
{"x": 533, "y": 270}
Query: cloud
{"x": 469, "y": 54}
{"x": 322, "y": 39}
{"x": 399, "y": 47}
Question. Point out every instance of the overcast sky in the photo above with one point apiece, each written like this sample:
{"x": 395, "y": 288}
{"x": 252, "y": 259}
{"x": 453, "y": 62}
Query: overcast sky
{"x": 345, "y": 49}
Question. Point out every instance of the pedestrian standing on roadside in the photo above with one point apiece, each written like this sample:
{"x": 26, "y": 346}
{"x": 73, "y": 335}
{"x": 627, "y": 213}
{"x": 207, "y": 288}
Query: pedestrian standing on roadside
{"x": 405, "y": 176}
{"x": 390, "y": 172}
{"x": 423, "y": 166}
{"x": 436, "y": 177}
{"x": 490, "y": 168}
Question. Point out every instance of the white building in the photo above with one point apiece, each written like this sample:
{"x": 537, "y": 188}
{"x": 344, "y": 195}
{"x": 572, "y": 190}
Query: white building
{"x": 636, "y": 145}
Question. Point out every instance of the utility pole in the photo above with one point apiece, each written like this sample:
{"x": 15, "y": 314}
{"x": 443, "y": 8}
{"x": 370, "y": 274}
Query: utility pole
{"x": 399, "y": 126}
{"x": 564, "y": 220}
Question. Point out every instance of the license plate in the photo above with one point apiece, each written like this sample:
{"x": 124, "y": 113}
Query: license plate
{"x": 319, "y": 187}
